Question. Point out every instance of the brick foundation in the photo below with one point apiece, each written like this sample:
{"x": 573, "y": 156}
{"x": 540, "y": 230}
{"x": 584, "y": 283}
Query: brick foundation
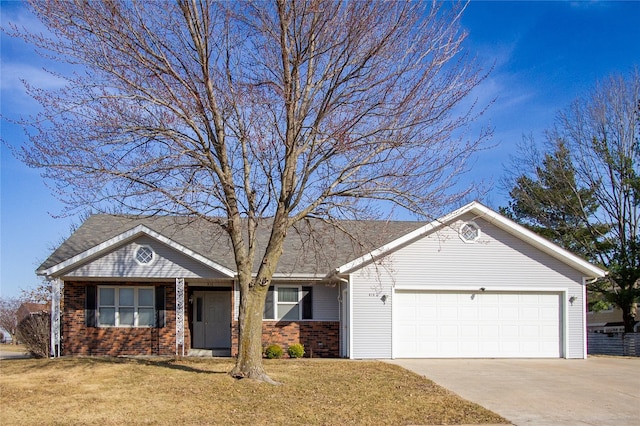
{"x": 321, "y": 339}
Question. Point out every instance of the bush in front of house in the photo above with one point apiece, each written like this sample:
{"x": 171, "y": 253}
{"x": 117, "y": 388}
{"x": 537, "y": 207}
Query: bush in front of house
{"x": 296, "y": 350}
{"x": 34, "y": 332}
{"x": 273, "y": 351}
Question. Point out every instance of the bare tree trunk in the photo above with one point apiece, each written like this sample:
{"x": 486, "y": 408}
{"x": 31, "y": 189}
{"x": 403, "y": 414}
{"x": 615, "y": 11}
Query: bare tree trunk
{"x": 253, "y": 293}
{"x": 249, "y": 362}
{"x": 628, "y": 318}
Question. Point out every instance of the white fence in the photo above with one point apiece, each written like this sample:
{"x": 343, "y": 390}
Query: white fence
{"x": 621, "y": 344}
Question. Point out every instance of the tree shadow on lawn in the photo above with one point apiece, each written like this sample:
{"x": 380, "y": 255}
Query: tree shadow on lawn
{"x": 175, "y": 364}
{"x": 161, "y": 362}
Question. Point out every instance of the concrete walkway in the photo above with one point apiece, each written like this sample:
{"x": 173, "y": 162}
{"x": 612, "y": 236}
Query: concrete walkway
{"x": 13, "y": 355}
{"x": 595, "y": 391}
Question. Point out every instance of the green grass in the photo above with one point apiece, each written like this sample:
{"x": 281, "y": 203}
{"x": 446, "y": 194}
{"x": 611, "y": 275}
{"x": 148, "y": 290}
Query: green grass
{"x": 114, "y": 391}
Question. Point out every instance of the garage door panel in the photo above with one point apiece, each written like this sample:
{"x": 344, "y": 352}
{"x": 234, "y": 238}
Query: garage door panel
{"x": 488, "y": 332}
{"x": 531, "y": 312}
{"x": 529, "y": 332}
{"x": 509, "y": 313}
{"x": 407, "y": 333}
{"x": 549, "y": 313}
{"x": 427, "y": 331}
{"x": 489, "y": 313}
{"x": 469, "y": 332}
{"x": 408, "y": 314}
{"x": 549, "y": 332}
{"x": 447, "y": 314}
{"x": 510, "y": 332}
{"x": 469, "y": 324}
{"x": 448, "y": 331}
{"x": 468, "y": 313}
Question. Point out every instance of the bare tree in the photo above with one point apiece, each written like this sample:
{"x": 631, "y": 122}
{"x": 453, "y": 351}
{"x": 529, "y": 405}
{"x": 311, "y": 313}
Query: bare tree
{"x": 34, "y": 332}
{"x": 238, "y": 111}
{"x": 9, "y": 315}
{"x": 38, "y": 294}
{"x": 586, "y": 194}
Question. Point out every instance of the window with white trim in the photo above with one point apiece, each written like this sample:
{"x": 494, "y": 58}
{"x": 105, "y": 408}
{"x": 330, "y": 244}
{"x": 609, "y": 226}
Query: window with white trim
{"x": 288, "y": 303}
{"x": 126, "y": 307}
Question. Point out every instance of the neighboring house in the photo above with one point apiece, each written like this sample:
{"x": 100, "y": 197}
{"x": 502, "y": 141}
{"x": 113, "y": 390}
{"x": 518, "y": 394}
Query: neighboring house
{"x": 608, "y": 321}
{"x": 29, "y": 309}
{"x": 470, "y": 284}
{"x": 5, "y": 337}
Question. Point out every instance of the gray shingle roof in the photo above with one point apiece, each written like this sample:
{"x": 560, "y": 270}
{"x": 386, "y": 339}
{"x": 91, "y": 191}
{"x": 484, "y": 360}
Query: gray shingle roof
{"x": 312, "y": 247}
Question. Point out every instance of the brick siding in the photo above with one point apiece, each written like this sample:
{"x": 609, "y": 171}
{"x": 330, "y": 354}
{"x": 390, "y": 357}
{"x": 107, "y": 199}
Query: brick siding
{"x": 79, "y": 339}
{"x": 321, "y": 339}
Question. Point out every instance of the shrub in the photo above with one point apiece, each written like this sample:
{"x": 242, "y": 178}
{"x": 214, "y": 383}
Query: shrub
{"x": 296, "y": 350}
{"x": 273, "y": 351}
{"x": 34, "y": 332}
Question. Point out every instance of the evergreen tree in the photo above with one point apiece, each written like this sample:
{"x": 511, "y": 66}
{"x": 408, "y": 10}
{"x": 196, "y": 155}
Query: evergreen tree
{"x": 585, "y": 195}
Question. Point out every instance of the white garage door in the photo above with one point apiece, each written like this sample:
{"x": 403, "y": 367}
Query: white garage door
{"x": 444, "y": 324}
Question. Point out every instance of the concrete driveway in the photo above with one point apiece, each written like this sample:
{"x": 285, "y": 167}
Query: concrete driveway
{"x": 595, "y": 391}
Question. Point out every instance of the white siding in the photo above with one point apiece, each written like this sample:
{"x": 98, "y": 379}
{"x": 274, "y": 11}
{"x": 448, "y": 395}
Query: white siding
{"x": 167, "y": 263}
{"x": 497, "y": 261}
{"x": 371, "y": 316}
{"x": 325, "y": 302}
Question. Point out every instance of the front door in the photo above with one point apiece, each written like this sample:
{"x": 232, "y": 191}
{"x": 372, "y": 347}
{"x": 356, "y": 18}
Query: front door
{"x": 211, "y": 319}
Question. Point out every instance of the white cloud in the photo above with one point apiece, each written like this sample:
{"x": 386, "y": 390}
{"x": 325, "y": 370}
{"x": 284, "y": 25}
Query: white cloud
{"x": 14, "y": 73}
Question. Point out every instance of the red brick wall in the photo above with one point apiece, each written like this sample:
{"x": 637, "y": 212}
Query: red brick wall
{"x": 78, "y": 339}
{"x": 321, "y": 339}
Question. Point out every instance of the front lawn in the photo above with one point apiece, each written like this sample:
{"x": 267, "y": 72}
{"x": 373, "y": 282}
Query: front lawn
{"x": 113, "y": 391}
{"x": 10, "y": 347}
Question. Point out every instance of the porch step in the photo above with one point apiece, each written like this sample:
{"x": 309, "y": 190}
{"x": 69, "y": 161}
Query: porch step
{"x": 223, "y": 352}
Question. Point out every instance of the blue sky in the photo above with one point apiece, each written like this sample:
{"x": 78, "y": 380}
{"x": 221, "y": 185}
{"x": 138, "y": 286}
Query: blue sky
{"x": 544, "y": 55}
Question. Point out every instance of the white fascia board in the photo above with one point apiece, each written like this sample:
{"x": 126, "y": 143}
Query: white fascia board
{"x": 489, "y": 215}
{"x": 128, "y": 236}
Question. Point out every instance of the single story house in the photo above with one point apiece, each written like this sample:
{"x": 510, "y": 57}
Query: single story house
{"x": 608, "y": 320}
{"x": 469, "y": 284}
{"x": 30, "y": 309}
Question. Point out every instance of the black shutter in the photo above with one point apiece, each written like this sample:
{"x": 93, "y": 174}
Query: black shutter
{"x": 90, "y": 306}
{"x": 161, "y": 306}
{"x": 268, "y": 305}
{"x": 307, "y": 303}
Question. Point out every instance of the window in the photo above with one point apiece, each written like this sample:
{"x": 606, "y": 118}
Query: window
{"x": 126, "y": 307}
{"x": 288, "y": 303}
{"x": 144, "y": 255}
{"x": 469, "y": 232}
